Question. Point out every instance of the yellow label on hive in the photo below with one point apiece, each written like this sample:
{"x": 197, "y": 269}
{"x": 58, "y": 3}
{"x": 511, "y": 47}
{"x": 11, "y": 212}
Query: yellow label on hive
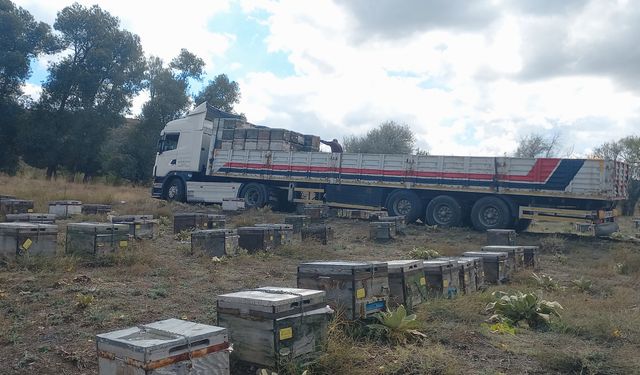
{"x": 466, "y": 278}
{"x": 286, "y": 333}
{"x": 138, "y": 226}
{"x": 445, "y": 283}
{"x": 361, "y": 293}
{"x": 423, "y": 281}
{"x": 30, "y": 210}
{"x": 124, "y": 243}
{"x": 27, "y": 244}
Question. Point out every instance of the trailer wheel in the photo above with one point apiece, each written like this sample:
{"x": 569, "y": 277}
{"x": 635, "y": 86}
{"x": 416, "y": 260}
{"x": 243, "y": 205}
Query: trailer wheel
{"x": 174, "y": 190}
{"x": 490, "y": 213}
{"x": 444, "y": 211}
{"x": 255, "y": 195}
{"x": 404, "y": 203}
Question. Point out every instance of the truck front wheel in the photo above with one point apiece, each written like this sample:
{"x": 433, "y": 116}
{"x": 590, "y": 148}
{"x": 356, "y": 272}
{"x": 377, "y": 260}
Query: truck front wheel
{"x": 174, "y": 190}
{"x": 444, "y": 211}
{"x": 404, "y": 203}
{"x": 255, "y": 195}
{"x": 490, "y": 213}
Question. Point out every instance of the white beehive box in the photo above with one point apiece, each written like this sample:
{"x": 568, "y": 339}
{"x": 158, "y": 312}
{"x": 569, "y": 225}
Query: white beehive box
{"x": 63, "y": 209}
{"x": 171, "y": 346}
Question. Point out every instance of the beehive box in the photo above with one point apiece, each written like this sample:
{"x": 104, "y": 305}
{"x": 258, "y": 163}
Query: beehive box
{"x": 531, "y": 259}
{"x": 478, "y": 266}
{"x": 501, "y": 237}
{"x": 317, "y": 232}
{"x": 584, "y": 227}
{"x": 516, "y": 256}
{"x": 442, "y": 278}
{"x": 298, "y": 222}
{"x": 216, "y": 221}
{"x": 382, "y": 230}
{"x": 283, "y": 233}
{"x": 65, "y": 209}
{"x": 96, "y": 239}
{"x": 316, "y": 212}
{"x": 31, "y": 218}
{"x": 494, "y": 264}
{"x": 130, "y": 218}
{"x": 347, "y": 213}
{"x": 96, "y": 209}
{"x": 142, "y": 229}
{"x": 233, "y": 204}
{"x": 466, "y": 273}
{"x": 358, "y": 289}
{"x": 272, "y": 325}
{"x": 18, "y": 239}
{"x": 400, "y": 224}
{"x": 255, "y": 239}
{"x": 15, "y": 206}
{"x": 215, "y": 242}
{"x": 171, "y": 346}
{"x": 188, "y": 221}
{"x": 407, "y": 283}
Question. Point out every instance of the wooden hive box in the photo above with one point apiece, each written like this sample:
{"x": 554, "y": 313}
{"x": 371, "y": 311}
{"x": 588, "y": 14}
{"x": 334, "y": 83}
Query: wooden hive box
{"x": 531, "y": 259}
{"x": 255, "y": 239}
{"x": 96, "y": 239}
{"x": 216, "y": 221}
{"x": 171, "y": 346}
{"x": 466, "y": 273}
{"x": 400, "y": 224}
{"x": 501, "y": 237}
{"x": 26, "y": 239}
{"x": 382, "y": 230}
{"x": 495, "y": 265}
{"x": 142, "y": 229}
{"x": 298, "y": 222}
{"x": 65, "y": 208}
{"x": 35, "y": 218}
{"x": 270, "y": 326}
{"x": 478, "y": 265}
{"x": 188, "y": 221}
{"x": 317, "y": 232}
{"x": 356, "y": 289}
{"x": 279, "y": 135}
{"x": 407, "y": 283}
{"x": 215, "y": 242}
{"x": 130, "y": 218}
{"x": 516, "y": 256}
{"x": 442, "y": 278}
{"x": 96, "y": 209}
{"x": 15, "y": 206}
{"x": 283, "y": 233}
{"x": 316, "y": 212}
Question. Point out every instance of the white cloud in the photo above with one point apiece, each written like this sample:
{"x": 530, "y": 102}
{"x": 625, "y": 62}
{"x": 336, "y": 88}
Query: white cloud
{"x": 31, "y": 90}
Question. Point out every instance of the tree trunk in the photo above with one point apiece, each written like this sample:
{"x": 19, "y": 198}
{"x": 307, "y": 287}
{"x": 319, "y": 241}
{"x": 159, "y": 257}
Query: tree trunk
{"x": 51, "y": 173}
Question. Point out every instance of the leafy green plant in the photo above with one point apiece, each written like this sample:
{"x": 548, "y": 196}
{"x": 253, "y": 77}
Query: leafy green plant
{"x": 396, "y": 325}
{"x": 546, "y": 282}
{"x": 84, "y": 300}
{"x": 183, "y": 236}
{"x": 500, "y": 328}
{"x": 582, "y": 284}
{"x": 514, "y": 308}
{"x": 423, "y": 253}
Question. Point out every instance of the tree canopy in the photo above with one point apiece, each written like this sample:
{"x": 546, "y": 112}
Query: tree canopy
{"x": 220, "y": 93}
{"x": 537, "y": 145}
{"x": 388, "y": 138}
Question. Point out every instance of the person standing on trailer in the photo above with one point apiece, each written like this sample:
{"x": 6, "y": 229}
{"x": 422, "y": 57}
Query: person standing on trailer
{"x": 336, "y": 148}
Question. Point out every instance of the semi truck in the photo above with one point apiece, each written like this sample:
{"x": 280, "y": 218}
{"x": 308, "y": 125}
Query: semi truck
{"x": 199, "y": 159}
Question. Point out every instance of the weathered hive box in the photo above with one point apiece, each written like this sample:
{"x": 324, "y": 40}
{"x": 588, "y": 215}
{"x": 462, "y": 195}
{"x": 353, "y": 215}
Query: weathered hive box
{"x": 32, "y": 218}
{"x": 15, "y": 206}
{"x": 188, "y": 221}
{"x": 400, "y": 224}
{"x": 516, "y": 256}
{"x": 442, "y": 277}
{"x": 382, "y": 230}
{"x": 282, "y": 233}
{"x": 255, "y": 239}
{"x": 96, "y": 239}
{"x": 478, "y": 265}
{"x": 584, "y": 227}
{"x": 357, "y": 289}
{"x": 65, "y": 209}
{"x": 96, "y": 209}
{"x": 215, "y": 242}
{"x": 272, "y": 325}
{"x": 298, "y": 222}
{"x": 142, "y": 229}
{"x": 318, "y": 232}
{"x": 347, "y": 213}
{"x": 316, "y": 212}
{"x": 130, "y": 218}
{"x": 171, "y": 346}
{"x": 531, "y": 259}
{"x": 495, "y": 265}
{"x": 407, "y": 283}
{"x": 216, "y": 221}
{"x": 466, "y": 273}
{"x": 233, "y": 204}
{"x": 501, "y": 237}
{"x": 17, "y": 239}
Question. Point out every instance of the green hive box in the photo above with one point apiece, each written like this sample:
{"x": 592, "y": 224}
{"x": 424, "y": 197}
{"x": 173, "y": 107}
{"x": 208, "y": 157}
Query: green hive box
{"x": 96, "y": 239}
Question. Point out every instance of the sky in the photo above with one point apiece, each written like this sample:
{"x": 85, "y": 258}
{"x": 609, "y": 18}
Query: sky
{"x": 468, "y": 77}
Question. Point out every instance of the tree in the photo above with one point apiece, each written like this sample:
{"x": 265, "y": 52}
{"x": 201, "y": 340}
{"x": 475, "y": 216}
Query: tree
{"x": 87, "y": 91}
{"x": 220, "y": 93}
{"x": 537, "y": 145}
{"x": 388, "y": 138}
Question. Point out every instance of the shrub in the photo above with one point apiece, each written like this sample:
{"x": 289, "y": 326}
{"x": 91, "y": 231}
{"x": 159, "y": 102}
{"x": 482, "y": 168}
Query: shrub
{"x": 582, "y": 284}
{"x": 546, "y": 282}
{"x": 514, "y": 308}
{"x": 423, "y": 253}
{"x": 397, "y": 326}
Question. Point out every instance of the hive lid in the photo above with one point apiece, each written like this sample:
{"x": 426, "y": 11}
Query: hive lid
{"x": 27, "y": 226}
{"x": 93, "y": 225}
{"x": 404, "y": 265}
{"x": 497, "y": 248}
{"x": 485, "y": 254}
{"x": 459, "y": 260}
{"x": 30, "y": 216}
{"x": 273, "y": 297}
{"x": 253, "y": 229}
{"x": 65, "y": 203}
{"x": 276, "y": 226}
{"x": 342, "y": 264}
{"x": 214, "y": 232}
{"x": 187, "y": 214}
{"x": 216, "y": 217}
{"x": 160, "y": 339}
{"x": 130, "y": 218}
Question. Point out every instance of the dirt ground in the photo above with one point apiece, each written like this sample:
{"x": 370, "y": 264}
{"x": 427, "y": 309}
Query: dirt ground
{"x": 52, "y": 310}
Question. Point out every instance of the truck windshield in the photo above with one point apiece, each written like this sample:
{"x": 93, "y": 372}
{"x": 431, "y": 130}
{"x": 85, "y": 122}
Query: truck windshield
{"x": 168, "y": 142}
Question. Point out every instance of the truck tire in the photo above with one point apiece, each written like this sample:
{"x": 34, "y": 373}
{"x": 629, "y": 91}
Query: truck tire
{"x": 444, "y": 211}
{"x": 490, "y": 213}
{"x": 404, "y": 203}
{"x": 255, "y": 195}
{"x": 174, "y": 190}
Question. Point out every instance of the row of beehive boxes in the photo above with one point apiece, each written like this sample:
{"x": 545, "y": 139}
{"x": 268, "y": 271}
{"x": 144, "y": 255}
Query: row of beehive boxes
{"x": 83, "y": 239}
{"x": 21, "y": 210}
{"x": 267, "y": 139}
